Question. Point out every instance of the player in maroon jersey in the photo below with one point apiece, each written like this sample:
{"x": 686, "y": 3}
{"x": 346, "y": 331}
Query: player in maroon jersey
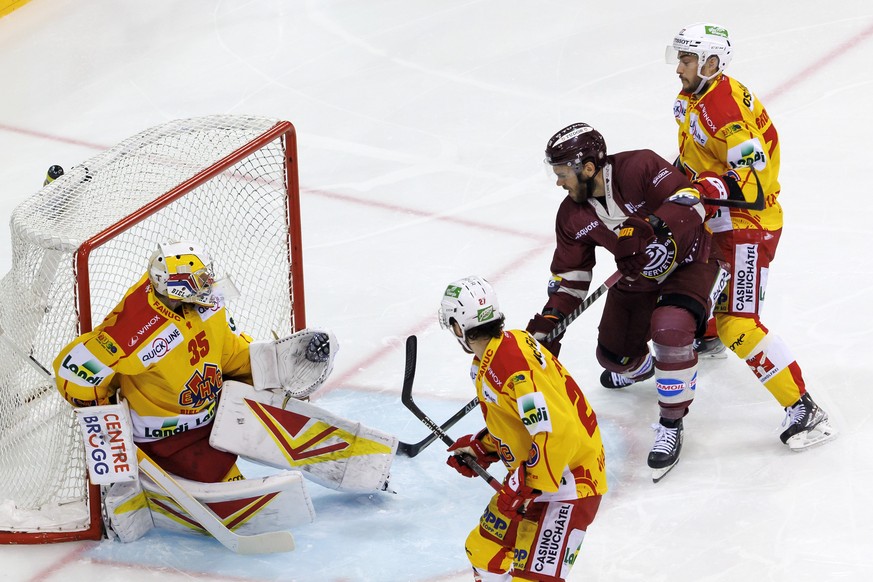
{"x": 645, "y": 212}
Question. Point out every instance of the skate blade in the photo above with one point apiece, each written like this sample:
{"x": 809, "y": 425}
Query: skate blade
{"x": 820, "y": 434}
{"x": 722, "y": 355}
{"x": 658, "y": 474}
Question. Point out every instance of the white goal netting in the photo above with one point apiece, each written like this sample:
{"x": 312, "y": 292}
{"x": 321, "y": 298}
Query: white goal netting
{"x": 80, "y": 242}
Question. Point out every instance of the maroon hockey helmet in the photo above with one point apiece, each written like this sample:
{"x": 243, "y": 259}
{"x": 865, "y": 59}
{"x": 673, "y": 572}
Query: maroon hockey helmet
{"x": 576, "y": 144}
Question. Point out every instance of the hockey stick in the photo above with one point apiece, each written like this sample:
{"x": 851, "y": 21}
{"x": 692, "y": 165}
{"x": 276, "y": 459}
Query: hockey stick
{"x": 264, "y": 543}
{"x": 28, "y": 358}
{"x": 406, "y": 398}
{"x": 758, "y": 204}
{"x": 412, "y": 449}
{"x": 561, "y": 327}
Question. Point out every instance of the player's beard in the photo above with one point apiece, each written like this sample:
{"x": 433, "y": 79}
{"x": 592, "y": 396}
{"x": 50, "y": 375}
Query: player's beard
{"x": 689, "y": 85}
{"x": 583, "y": 190}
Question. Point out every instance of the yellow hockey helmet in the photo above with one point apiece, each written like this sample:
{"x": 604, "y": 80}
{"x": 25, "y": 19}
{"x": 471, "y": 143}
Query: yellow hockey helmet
{"x": 182, "y": 271}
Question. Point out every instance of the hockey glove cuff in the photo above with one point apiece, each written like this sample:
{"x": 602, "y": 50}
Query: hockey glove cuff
{"x": 542, "y": 325}
{"x": 514, "y": 497}
{"x": 473, "y": 446}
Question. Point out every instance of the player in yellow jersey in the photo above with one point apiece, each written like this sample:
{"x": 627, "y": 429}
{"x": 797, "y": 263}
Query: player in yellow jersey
{"x": 200, "y": 394}
{"x": 170, "y": 351}
{"x": 729, "y": 146}
{"x": 167, "y": 348}
{"x": 538, "y": 423}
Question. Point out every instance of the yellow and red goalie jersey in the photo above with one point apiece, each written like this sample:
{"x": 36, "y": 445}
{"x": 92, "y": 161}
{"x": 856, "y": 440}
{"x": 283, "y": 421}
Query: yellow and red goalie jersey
{"x": 535, "y": 413}
{"x": 727, "y": 130}
{"x": 169, "y": 367}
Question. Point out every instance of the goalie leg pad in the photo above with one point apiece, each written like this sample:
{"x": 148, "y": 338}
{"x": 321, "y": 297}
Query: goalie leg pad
{"x": 247, "y": 507}
{"x": 285, "y": 433}
{"x": 127, "y": 511}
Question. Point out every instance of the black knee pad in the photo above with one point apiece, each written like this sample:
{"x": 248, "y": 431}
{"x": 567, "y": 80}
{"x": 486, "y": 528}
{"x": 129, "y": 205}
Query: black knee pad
{"x": 694, "y": 307}
{"x": 615, "y": 363}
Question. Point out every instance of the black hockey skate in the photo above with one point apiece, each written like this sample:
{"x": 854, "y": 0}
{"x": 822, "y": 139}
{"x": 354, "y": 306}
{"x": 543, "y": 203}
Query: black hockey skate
{"x": 710, "y": 347}
{"x": 613, "y": 380}
{"x": 668, "y": 444}
{"x": 807, "y": 425}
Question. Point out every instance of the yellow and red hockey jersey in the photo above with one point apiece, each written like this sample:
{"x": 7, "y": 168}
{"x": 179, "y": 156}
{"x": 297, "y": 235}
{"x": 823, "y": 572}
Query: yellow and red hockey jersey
{"x": 727, "y": 130}
{"x": 169, "y": 366}
{"x": 536, "y": 413}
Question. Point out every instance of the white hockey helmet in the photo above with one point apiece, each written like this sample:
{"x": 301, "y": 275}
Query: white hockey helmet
{"x": 469, "y": 302}
{"x": 704, "y": 40}
{"x": 182, "y": 270}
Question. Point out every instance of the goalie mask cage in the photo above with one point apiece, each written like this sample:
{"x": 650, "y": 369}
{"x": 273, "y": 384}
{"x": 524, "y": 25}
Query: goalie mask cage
{"x": 228, "y": 181}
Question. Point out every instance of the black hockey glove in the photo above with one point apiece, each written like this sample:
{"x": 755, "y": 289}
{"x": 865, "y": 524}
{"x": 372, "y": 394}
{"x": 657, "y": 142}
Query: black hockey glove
{"x": 634, "y": 236}
{"x": 542, "y": 325}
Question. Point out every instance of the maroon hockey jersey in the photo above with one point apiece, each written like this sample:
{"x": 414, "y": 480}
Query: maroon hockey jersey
{"x": 639, "y": 183}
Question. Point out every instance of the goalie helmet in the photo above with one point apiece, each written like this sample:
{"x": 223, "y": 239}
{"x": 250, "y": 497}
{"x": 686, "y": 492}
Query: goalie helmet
{"x": 182, "y": 271}
{"x": 469, "y": 302}
{"x": 704, "y": 40}
{"x": 576, "y": 144}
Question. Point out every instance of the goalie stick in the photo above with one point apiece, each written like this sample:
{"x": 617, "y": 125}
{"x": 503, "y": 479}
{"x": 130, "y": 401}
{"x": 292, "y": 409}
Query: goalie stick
{"x": 408, "y": 402}
{"x": 561, "y": 327}
{"x": 265, "y": 543}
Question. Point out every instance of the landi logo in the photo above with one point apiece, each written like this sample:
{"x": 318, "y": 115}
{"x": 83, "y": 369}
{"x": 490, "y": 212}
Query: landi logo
{"x": 717, "y": 31}
{"x": 485, "y": 314}
{"x": 750, "y": 153}
{"x": 453, "y": 291}
{"x": 82, "y": 368}
{"x": 534, "y": 412}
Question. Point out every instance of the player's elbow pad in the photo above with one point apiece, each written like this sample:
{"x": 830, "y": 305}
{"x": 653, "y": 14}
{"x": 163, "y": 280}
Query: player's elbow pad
{"x": 680, "y": 211}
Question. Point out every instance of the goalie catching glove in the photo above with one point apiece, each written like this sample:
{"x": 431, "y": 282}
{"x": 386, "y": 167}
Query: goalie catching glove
{"x": 476, "y": 447}
{"x": 298, "y": 364}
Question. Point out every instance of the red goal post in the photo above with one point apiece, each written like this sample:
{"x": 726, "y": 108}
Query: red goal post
{"x": 229, "y": 181}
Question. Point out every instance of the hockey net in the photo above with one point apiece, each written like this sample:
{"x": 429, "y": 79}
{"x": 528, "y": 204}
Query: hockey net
{"x": 79, "y": 243}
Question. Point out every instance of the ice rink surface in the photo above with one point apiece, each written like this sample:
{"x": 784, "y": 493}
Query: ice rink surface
{"x": 421, "y": 129}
